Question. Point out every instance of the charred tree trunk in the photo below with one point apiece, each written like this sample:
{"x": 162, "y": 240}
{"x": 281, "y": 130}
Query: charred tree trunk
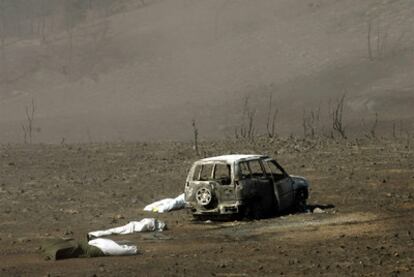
{"x": 195, "y": 130}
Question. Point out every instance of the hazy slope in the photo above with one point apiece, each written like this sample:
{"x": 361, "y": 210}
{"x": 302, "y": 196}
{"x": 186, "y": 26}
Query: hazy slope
{"x": 162, "y": 65}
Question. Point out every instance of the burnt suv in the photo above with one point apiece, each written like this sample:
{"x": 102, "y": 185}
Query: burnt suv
{"x": 253, "y": 186}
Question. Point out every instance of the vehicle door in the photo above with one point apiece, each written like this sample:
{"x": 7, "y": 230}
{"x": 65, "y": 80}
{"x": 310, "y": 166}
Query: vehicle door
{"x": 224, "y": 186}
{"x": 282, "y": 183}
{"x": 246, "y": 186}
{"x": 263, "y": 184}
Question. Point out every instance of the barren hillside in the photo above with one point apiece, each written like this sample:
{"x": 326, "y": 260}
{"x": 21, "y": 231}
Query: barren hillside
{"x": 145, "y": 71}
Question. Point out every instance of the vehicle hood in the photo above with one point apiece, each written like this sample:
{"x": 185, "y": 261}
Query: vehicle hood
{"x": 300, "y": 181}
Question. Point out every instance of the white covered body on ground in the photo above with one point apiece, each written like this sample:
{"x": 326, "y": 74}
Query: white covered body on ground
{"x": 112, "y": 248}
{"x": 166, "y": 205}
{"x": 145, "y": 225}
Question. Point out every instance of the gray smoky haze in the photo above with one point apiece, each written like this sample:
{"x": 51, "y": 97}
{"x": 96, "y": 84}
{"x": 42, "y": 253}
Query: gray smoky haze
{"x": 100, "y": 70}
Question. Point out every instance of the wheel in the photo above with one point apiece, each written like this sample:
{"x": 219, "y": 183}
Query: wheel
{"x": 300, "y": 202}
{"x": 204, "y": 196}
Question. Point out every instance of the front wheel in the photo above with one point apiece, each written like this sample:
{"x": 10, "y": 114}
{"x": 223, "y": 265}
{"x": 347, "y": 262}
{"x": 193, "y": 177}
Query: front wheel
{"x": 300, "y": 201}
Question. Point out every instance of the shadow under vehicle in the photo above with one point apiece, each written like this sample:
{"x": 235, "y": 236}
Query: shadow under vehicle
{"x": 252, "y": 186}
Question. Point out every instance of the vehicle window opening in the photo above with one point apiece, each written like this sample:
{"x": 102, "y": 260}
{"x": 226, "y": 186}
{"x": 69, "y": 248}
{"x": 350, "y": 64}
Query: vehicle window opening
{"x": 222, "y": 173}
{"x": 206, "y": 172}
{"x": 244, "y": 170}
{"x": 277, "y": 173}
{"x": 197, "y": 173}
{"x": 256, "y": 169}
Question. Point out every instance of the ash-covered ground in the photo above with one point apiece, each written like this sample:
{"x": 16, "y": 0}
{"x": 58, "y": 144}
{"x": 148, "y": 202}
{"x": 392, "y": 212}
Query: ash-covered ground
{"x": 365, "y": 188}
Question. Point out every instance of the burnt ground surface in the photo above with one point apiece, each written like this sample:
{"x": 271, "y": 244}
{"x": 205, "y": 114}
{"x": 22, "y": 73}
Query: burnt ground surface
{"x": 364, "y": 187}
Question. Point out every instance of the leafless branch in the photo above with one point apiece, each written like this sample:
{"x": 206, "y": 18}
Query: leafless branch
{"x": 271, "y": 119}
{"x": 195, "y": 131}
{"x": 247, "y": 129}
{"x": 28, "y": 127}
{"x": 337, "y": 117}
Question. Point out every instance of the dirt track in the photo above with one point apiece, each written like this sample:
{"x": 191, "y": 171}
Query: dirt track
{"x": 365, "y": 188}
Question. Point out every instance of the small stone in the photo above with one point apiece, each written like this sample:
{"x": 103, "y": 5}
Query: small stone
{"x": 318, "y": 211}
{"x": 69, "y": 211}
{"x": 67, "y": 233}
{"x": 23, "y": 240}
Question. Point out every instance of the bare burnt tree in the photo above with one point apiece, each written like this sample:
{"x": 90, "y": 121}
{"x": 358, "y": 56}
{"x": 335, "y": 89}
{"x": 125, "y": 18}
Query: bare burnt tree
{"x": 195, "y": 133}
{"x": 251, "y": 129}
{"x": 243, "y": 128}
{"x": 247, "y": 129}
{"x": 330, "y": 112}
{"x": 380, "y": 41}
{"x": 310, "y": 122}
{"x": 337, "y": 117}
{"x": 27, "y": 127}
{"x": 374, "y": 126}
{"x": 369, "y": 40}
{"x": 271, "y": 118}
{"x": 305, "y": 124}
{"x": 371, "y": 130}
{"x": 382, "y": 37}
{"x": 394, "y": 135}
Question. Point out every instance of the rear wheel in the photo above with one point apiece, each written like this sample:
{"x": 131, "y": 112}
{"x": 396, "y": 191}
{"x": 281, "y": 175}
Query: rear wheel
{"x": 204, "y": 196}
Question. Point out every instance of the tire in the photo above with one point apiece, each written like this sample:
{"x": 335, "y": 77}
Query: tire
{"x": 300, "y": 201}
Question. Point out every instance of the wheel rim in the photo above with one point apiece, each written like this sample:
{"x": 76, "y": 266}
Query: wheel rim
{"x": 203, "y": 196}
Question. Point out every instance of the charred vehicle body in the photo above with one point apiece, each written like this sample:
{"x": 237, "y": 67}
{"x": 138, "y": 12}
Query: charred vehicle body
{"x": 253, "y": 186}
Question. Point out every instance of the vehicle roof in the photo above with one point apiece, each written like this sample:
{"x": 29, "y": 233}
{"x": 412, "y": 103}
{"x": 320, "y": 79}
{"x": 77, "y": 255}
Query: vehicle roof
{"x": 232, "y": 158}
